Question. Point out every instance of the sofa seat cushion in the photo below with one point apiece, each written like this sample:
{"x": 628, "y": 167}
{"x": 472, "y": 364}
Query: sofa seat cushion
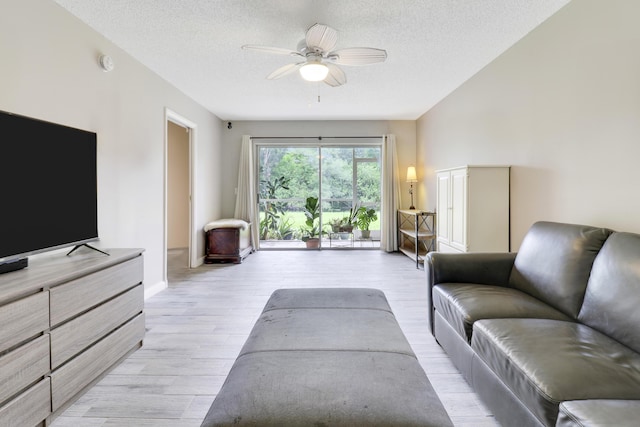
{"x": 545, "y": 362}
{"x": 327, "y": 388}
{"x": 599, "y": 413}
{"x": 461, "y": 304}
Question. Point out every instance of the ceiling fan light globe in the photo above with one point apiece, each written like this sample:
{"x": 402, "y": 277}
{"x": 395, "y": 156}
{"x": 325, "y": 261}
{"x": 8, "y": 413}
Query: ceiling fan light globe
{"x": 314, "y": 72}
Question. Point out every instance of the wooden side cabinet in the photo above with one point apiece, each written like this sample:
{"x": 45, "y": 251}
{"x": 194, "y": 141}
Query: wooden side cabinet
{"x": 227, "y": 244}
{"x": 416, "y": 233}
{"x": 67, "y": 320}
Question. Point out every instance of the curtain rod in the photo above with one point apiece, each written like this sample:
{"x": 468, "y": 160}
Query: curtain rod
{"x": 319, "y": 138}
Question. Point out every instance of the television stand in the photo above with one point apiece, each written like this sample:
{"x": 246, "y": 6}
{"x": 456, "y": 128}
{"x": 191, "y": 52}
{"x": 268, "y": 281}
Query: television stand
{"x": 65, "y": 323}
{"x": 89, "y": 246}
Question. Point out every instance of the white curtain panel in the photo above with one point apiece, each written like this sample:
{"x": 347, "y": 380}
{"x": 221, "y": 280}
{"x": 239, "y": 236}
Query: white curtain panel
{"x": 245, "y": 199}
{"x": 390, "y": 194}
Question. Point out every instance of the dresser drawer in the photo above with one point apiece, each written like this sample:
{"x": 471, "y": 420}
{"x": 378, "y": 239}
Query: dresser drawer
{"x": 74, "y": 336}
{"x": 28, "y": 409}
{"x": 23, "y": 366}
{"x": 74, "y": 376}
{"x": 79, "y": 295}
{"x": 23, "y": 319}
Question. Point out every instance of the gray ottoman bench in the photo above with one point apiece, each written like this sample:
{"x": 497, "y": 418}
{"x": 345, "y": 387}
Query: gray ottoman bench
{"x": 327, "y": 357}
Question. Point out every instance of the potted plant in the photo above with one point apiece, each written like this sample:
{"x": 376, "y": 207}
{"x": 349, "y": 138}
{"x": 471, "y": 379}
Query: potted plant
{"x": 364, "y": 218}
{"x": 346, "y": 223}
{"x": 311, "y": 230}
{"x": 273, "y": 211}
{"x": 335, "y": 224}
{"x": 285, "y": 230}
{"x": 341, "y": 225}
{"x": 350, "y": 220}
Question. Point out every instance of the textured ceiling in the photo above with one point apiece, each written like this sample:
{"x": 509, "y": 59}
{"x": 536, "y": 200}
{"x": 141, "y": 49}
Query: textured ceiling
{"x": 433, "y": 46}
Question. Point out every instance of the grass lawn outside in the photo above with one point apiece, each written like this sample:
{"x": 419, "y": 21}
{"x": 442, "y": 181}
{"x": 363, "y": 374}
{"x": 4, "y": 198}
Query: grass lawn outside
{"x": 297, "y": 220}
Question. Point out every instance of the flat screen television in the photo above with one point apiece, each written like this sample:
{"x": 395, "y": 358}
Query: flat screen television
{"x": 48, "y": 187}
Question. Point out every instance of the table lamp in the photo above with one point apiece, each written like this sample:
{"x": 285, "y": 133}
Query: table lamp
{"x": 411, "y": 178}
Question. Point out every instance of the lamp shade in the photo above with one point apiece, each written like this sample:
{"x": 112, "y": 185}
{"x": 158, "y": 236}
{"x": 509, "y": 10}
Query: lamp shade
{"x": 314, "y": 71}
{"x": 411, "y": 174}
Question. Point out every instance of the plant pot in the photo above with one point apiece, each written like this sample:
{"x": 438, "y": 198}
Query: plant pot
{"x": 313, "y": 243}
{"x": 365, "y": 234}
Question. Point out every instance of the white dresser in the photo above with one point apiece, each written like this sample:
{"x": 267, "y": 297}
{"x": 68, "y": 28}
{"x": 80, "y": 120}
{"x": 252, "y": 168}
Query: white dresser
{"x": 473, "y": 209}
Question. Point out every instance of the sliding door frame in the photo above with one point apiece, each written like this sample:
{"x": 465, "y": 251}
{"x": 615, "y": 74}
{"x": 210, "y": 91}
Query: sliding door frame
{"x": 319, "y": 143}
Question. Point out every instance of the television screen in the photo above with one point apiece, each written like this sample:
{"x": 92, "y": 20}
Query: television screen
{"x": 49, "y": 186}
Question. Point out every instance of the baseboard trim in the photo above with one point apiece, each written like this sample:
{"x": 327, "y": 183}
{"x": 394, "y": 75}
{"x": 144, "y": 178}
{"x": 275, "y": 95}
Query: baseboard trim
{"x": 155, "y": 289}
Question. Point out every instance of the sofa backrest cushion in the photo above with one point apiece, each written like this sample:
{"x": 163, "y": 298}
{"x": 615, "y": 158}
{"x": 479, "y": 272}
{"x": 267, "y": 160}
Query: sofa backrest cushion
{"x": 554, "y": 262}
{"x": 612, "y": 300}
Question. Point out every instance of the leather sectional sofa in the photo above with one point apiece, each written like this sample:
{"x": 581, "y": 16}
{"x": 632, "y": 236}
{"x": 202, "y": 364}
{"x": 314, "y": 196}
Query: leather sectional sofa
{"x": 549, "y": 336}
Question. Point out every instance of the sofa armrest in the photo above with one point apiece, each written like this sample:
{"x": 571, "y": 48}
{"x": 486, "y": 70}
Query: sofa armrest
{"x": 481, "y": 268}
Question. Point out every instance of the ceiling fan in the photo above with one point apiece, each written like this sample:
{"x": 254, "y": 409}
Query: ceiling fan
{"x": 319, "y": 60}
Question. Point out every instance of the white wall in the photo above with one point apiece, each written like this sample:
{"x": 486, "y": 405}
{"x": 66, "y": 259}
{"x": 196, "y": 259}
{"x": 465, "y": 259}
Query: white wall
{"x": 405, "y": 132}
{"x": 49, "y": 71}
{"x": 563, "y": 107}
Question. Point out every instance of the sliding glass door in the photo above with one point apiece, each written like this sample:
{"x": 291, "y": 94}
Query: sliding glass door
{"x": 339, "y": 178}
{"x": 287, "y": 176}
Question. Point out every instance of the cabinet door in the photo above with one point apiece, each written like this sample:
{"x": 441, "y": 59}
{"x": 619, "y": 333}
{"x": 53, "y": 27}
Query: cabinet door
{"x": 459, "y": 183}
{"x": 443, "y": 207}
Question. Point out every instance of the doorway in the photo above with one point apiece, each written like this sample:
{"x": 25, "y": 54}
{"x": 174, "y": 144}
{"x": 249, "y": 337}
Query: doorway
{"x": 177, "y": 187}
{"x": 342, "y": 178}
{"x": 179, "y": 239}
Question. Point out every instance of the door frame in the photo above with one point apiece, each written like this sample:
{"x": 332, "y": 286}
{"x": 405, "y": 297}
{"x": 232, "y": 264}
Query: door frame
{"x": 172, "y": 116}
{"x": 320, "y": 144}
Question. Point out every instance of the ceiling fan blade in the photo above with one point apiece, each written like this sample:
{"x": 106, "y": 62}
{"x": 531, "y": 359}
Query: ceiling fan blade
{"x": 336, "y": 76}
{"x": 358, "y": 56}
{"x": 322, "y": 37}
{"x": 270, "y": 49}
{"x": 285, "y": 70}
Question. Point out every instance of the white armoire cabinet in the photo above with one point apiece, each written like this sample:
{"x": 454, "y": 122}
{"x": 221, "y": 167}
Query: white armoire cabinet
{"x": 473, "y": 209}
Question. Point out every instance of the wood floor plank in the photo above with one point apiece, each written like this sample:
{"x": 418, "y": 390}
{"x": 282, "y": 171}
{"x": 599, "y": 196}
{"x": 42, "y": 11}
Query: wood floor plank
{"x": 196, "y": 328}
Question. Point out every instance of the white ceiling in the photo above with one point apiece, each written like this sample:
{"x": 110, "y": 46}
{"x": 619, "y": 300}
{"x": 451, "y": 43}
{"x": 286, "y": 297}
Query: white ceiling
{"x": 433, "y": 46}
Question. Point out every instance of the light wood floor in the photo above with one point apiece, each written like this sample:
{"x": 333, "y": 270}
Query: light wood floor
{"x": 196, "y": 327}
